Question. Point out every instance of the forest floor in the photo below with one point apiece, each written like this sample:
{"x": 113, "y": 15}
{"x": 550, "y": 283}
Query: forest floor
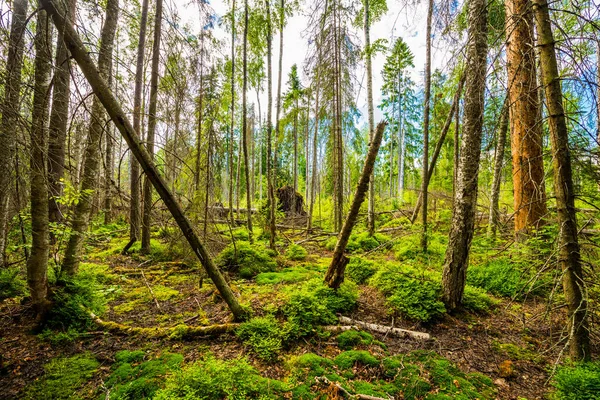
{"x": 512, "y": 344}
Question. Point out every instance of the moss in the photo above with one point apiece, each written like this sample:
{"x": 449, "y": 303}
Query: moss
{"x": 477, "y": 300}
{"x": 12, "y": 283}
{"x": 359, "y": 242}
{"x": 515, "y": 352}
{"x": 296, "y": 252}
{"x": 247, "y": 260}
{"x": 348, "y": 359}
{"x": 264, "y": 335}
{"x": 577, "y": 382}
{"x": 352, "y": 338}
{"x": 288, "y": 275}
{"x": 63, "y": 377}
{"x": 360, "y": 269}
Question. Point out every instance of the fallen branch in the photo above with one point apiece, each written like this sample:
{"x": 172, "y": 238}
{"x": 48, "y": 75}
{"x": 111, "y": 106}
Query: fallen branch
{"x": 404, "y": 333}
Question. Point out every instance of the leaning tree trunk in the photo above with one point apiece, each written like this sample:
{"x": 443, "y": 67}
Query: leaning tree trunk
{"x": 91, "y": 167}
{"x": 110, "y": 103}
{"x": 335, "y": 274}
{"x": 58, "y": 122}
{"x": 134, "y": 166}
{"x": 569, "y": 251}
{"x": 147, "y": 210}
{"x": 465, "y": 201}
{"x": 525, "y": 127}
{"x": 427, "y": 101}
{"x": 10, "y": 114}
{"x": 37, "y": 264}
{"x": 498, "y": 164}
{"x": 245, "y": 128}
{"x": 367, "y": 31}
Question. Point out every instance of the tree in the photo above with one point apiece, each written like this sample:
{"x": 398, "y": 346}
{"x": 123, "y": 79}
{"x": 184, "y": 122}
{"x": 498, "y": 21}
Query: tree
{"x": 146, "y": 216}
{"x": 498, "y": 164}
{"x": 465, "y": 200}
{"x": 292, "y": 99}
{"x": 37, "y": 264}
{"x": 427, "y": 101}
{"x": 245, "y": 127}
{"x": 82, "y": 211}
{"x": 270, "y": 161}
{"x": 525, "y": 127}
{"x": 569, "y": 255}
{"x": 10, "y": 114}
{"x": 134, "y": 167}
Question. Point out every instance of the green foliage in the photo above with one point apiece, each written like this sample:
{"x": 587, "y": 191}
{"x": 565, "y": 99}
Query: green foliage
{"x": 409, "y": 248}
{"x": 352, "y": 338}
{"x": 359, "y": 242}
{"x": 59, "y": 337}
{"x": 477, "y": 300}
{"x": 264, "y": 335}
{"x": 246, "y": 259}
{"x": 133, "y": 378}
{"x": 348, "y": 359}
{"x": 503, "y": 276}
{"x": 577, "y": 382}
{"x": 213, "y": 379}
{"x": 63, "y": 377}
{"x": 515, "y": 352}
{"x": 288, "y": 275}
{"x": 360, "y": 269}
{"x": 12, "y": 283}
{"x": 296, "y": 252}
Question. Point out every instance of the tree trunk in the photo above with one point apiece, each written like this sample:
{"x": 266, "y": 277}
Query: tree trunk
{"x": 525, "y": 127}
{"x": 270, "y": 171}
{"x": 199, "y": 127}
{"x": 367, "y": 31}
{"x": 465, "y": 201}
{"x": 245, "y": 128}
{"x": 335, "y": 273}
{"x": 456, "y": 150}
{"x": 427, "y": 100}
{"x": 134, "y": 179}
{"x": 37, "y": 265}
{"x": 10, "y": 114}
{"x": 147, "y": 211}
{"x": 232, "y": 122}
{"x": 277, "y": 114}
{"x": 295, "y": 166}
{"x": 313, "y": 183}
{"x": 59, "y": 117}
{"x": 91, "y": 167}
{"x": 401, "y": 145}
{"x": 498, "y": 164}
{"x": 104, "y": 94}
{"x": 569, "y": 251}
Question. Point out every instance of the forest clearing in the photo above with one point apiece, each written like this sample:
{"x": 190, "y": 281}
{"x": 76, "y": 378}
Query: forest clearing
{"x": 197, "y": 200}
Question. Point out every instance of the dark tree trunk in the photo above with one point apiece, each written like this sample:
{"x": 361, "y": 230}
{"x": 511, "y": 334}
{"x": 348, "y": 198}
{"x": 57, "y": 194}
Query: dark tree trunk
{"x": 569, "y": 251}
{"x": 147, "y": 211}
{"x": 335, "y": 274}
{"x": 245, "y": 128}
{"x": 427, "y": 100}
{"x": 270, "y": 170}
{"x": 498, "y": 164}
{"x": 91, "y": 167}
{"x": 104, "y": 94}
{"x": 37, "y": 265}
{"x": 465, "y": 201}
{"x": 232, "y": 122}
{"x": 10, "y": 114}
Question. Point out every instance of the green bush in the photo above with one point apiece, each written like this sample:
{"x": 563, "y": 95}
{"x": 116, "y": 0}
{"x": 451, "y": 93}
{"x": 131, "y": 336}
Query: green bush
{"x": 360, "y": 269}
{"x": 289, "y": 275}
{"x": 63, "y": 377}
{"x": 12, "y": 283}
{"x": 213, "y": 379}
{"x": 477, "y": 300}
{"x": 578, "y": 382}
{"x": 359, "y": 242}
{"x": 248, "y": 261}
{"x": 134, "y": 378}
{"x": 296, "y": 252}
{"x": 348, "y": 359}
{"x": 352, "y": 338}
{"x": 409, "y": 248}
{"x": 264, "y": 335}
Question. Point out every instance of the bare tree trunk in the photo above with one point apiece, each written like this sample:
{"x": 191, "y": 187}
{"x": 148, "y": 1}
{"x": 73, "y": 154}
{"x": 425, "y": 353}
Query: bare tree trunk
{"x": 335, "y": 273}
{"x": 58, "y": 122}
{"x": 147, "y": 211}
{"x": 200, "y": 114}
{"x": 574, "y": 285}
{"x": 134, "y": 179}
{"x": 307, "y": 148}
{"x": 37, "y": 264}
{"x": 245, "y": 128}
{"x": 425, "y": 183}
{"x": 232, "y": 123}
{"x": 277, "y": 113}
{"x": 456, "y": 150}
{"x": 401, "y": 145}
{"x": 104, "y": 94}
{"x": 525, "y": 127}
{"x": 10, "y": 114}
{"x": 338, "y": 147}
{"x": 91, "y": 167}
{"x": 313, "y": 183}
{"x": 465, "y": 201}
{"x": 270, "y": 170}
{"x": 498, "y": 164}
{"x": 367, "y": 31}
{"x": 295, "y": 166}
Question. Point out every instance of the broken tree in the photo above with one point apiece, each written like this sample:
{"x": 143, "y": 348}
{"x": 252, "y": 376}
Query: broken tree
{"x": 113, "y": 108}
{"x": 335, "y": 274}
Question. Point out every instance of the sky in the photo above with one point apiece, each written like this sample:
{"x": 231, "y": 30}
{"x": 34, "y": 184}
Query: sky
{"x": 409, "y": 23}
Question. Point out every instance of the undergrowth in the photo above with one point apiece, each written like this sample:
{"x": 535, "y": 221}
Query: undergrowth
{"x": 247, "y": 259}
{"x": 577, "y": 382}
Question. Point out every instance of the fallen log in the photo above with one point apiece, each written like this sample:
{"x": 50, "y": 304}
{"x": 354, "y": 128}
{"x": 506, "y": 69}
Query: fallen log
{"x": 358, "y": 325}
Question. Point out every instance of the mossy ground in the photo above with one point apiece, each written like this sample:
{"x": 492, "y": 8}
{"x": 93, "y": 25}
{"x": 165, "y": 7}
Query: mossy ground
{"x": 282, "y": 350}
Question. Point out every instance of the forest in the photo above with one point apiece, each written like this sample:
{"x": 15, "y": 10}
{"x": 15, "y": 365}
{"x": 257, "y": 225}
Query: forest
{"x": 285, "y": 199}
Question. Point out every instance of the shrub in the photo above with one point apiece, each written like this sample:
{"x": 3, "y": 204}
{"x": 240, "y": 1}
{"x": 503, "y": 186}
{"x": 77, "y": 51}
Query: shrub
{"x": 477, "y": 300}
{"x": 410, "y": 248}
{"x": 288, "y": 275}
{"x": 264, "y": 336}
{"x": 133, "y": 378}
{"x": 213, "y": 379}
{"x": 12, "y": 283}
{"x": 359, "y": 242}
{"x": 360, "y": 269}
{"x": 348, "y": 359}
{"x": 249, "y": 260}
{"x": 577, "y": 382}
{"x": 352, "y": 338}
{"x": 296, "y": 252}
{"x": 63, "y": 377}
